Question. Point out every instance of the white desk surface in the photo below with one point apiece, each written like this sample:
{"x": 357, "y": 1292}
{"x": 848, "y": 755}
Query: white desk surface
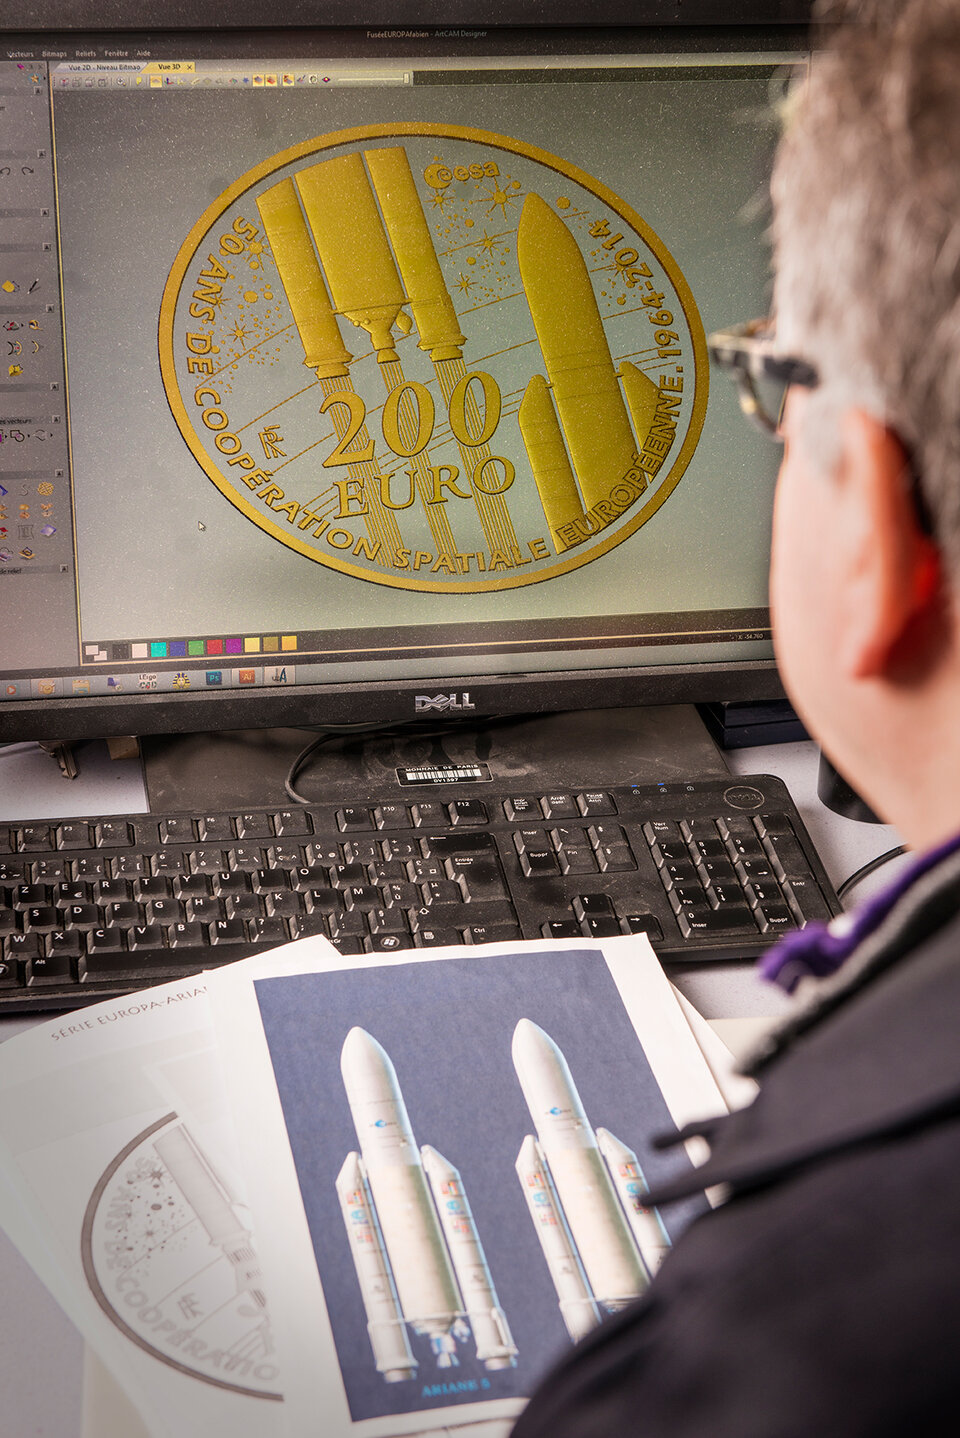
{"x": 45, "y": 1375}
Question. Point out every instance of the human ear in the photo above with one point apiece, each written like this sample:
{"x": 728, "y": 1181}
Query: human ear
{"x": 891, "y": 580}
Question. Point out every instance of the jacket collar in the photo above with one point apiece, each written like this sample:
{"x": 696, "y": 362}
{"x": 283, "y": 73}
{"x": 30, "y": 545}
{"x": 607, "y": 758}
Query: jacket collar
{"x": 839, "y": 1073}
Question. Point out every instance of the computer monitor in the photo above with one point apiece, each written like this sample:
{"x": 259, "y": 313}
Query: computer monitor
{"x": 351, "y": 375}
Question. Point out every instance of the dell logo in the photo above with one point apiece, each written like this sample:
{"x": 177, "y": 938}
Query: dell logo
{"x": 443, "y": 702}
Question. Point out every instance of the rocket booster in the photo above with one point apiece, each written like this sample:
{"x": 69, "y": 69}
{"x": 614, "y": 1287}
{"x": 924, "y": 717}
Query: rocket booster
{"x": 495, "y": 1345}
{"x": 388, "y": 1336}
{"x": 577, "y": 1307}
{"x": 646, "y": 1223}
{"x": 568, "y": 1143}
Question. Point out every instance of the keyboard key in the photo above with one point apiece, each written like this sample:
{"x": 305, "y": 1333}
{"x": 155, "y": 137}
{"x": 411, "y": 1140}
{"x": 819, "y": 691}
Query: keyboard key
{"x": 83, "y": 916}
{"x": 130, "y": 866}
{"x": 205, "y": 910}
{"x": 469, "y": 841}
{"x": 578, "y": 859}
{"x": 73, "y": 836}
{"x": 401, "y": 896}
{"x": 145, "y": 936}
{"x": 468, "y": 812}
{"x": 774, "y": 917}
{"x": 90, "y": 866}
{"x": 111, "y": 834}
{"x": 559, "y": 806}
{"x": 168, "y": 861}
{"x": 595, "y": 804}
{"x": 207, "y": 861}
{"x": 353, "y": 819}
{"x": 228, "y": 931}
{"x": 442, "y": 891}
{"x": 615, "y": 858}
{"x": 715, "y": 921}
{"x": 186, "y": 935}
{"x": 243, "y": 906}
{"x": 313, "y": 876}
{"x": 254, "y": 826}
{"x": 588, "y": 906}
{"x": 269, "y": 881}
{"x": 25, "y": 896}
{"x": 350, "y": 921}
{"x": 480, "y": 875}
{"x": 386, "y": 943}
{"x": 45, "y": 870}
{"x": 192, "y": 886}
{"x": 601, "y": 926}
{"x": 343, "y": 875}
{"x": 435, "y": 938}
{"x": 643, "y": 924}
{"x": 216, "y": 827}
{"x": 429, "y": 813}
{"x": 165, "y": 911}
{"x": 291, "y": 822}
{"x": 177, "y": 830}
{"x": 42, "y": 918}
{"x": 805, "y": 899}
{"x": 493, "y": 933}
{"x": 561, "y": 929}
{"x": 33, "y": 837}
{"x": 105, "y": 941}
{"x": 50, "y": 969}
{"x": 392, "y": 816}
{"x": 11, "y": 974}
{"x": 388, "y": 921}
{"x": 123, "y": 913}
{"x": 65, "y": 942}
{"x": 23, "y": 946}
{"x": 522, "y": 807}
{"x": 539, "y": 863}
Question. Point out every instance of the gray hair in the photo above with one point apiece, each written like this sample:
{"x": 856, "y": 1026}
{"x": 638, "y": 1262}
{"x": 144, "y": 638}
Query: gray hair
{"x": 866, "y": 230}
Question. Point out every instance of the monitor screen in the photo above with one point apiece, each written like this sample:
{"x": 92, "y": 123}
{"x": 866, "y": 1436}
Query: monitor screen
{"x": 346, "y": 380}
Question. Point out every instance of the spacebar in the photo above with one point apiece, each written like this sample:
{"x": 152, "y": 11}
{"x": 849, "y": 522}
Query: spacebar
{"x": 152, "y": 964}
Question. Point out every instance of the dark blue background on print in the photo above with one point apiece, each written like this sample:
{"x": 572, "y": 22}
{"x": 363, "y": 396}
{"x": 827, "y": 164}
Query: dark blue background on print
{"x": 448, "y": 1027}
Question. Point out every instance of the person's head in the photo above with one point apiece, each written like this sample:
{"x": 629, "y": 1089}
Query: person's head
{"x": 866, "y": 194}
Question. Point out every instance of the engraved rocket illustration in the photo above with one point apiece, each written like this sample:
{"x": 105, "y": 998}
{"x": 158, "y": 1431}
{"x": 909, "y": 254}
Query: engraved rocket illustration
{"x": 430, "y": 302}
{"x": 211, "y": 1202}
{"x": 416, "y": 1249}
{"x": 578, "y": 360}
{"x": 286, "y": 229}
{"x": 324, "y": 350}
{"x": 543, "y": 438}
{"x": 436, "y": 321}
{"x": 353, "y": 248}
{"x": 597, "y": 1254}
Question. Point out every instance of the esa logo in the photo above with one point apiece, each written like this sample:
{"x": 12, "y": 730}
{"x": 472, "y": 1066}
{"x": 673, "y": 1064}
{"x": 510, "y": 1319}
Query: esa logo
{"x": 444, "y": 703}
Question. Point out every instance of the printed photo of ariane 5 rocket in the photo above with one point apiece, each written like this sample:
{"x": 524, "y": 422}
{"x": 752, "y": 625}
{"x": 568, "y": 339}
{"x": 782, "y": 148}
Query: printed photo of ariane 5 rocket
{"x": 415, "y": 1246}
{"x": 584, "y": 1190}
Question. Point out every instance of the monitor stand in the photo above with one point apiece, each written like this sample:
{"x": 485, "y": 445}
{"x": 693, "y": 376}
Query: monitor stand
{"x": 230, "y": 771}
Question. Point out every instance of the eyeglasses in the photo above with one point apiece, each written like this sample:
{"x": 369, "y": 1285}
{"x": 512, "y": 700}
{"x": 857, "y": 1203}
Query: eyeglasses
{"x": 762, "y": 375}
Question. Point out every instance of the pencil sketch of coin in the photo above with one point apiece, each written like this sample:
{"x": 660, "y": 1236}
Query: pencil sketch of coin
{"x": 433, "y": 357}
{"x": 168, "y": 1256}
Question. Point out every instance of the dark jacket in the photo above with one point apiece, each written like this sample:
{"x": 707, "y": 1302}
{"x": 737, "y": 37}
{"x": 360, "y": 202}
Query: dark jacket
{"x": 822, "y": 1298}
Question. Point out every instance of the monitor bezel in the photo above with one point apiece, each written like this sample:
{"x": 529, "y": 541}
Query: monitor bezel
{"x": 757, "y": 26}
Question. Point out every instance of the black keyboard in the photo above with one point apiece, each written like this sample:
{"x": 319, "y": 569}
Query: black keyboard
{"x": 92, "y": 908}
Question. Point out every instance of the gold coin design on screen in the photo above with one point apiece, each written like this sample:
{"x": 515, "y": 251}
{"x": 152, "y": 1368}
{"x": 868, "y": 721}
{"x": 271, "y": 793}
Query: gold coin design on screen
{"x": 433, "y": 357}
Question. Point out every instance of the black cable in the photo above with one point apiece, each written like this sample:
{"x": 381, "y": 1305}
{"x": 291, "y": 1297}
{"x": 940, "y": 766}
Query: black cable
{"x": 382, "y": 731}
{"x": 861, "y": 873}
